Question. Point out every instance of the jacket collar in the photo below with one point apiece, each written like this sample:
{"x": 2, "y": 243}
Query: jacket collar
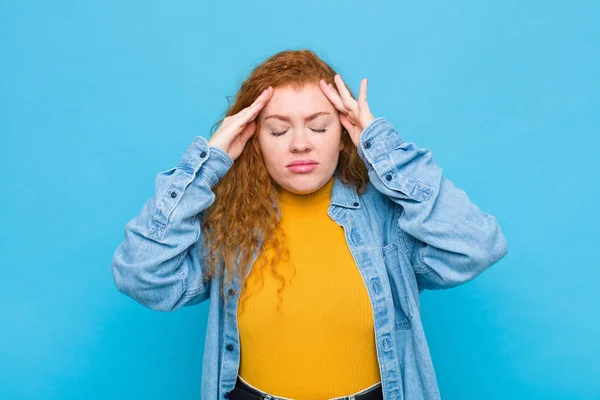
{"x": 343, "y": 195}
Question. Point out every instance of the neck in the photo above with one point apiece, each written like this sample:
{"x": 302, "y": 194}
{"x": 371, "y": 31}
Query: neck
{"x": 320, "y": 197}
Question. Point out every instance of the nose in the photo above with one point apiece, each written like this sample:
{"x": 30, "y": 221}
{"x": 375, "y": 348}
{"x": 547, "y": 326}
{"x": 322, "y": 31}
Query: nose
{"x": 300, "y": 143}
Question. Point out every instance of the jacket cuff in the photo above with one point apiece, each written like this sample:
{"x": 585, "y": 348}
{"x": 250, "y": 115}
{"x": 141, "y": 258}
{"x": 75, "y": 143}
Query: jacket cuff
{"x": 214, "y": 161}
{"x": 377, "y": 139}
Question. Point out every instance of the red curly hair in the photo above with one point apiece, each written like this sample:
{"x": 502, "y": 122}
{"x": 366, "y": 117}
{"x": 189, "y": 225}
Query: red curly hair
{"x": 243, "y": 215}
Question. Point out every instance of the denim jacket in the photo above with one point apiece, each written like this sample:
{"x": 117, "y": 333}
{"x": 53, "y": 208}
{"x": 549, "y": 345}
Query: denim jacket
{"x": 411, "y": 230}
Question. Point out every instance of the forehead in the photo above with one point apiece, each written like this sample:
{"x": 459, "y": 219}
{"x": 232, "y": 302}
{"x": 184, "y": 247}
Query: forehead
{"x": 297, "y": 102}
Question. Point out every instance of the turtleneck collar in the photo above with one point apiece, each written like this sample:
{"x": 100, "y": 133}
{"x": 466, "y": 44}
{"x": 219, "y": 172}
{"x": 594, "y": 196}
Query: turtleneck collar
{"x": 320, "y": 197}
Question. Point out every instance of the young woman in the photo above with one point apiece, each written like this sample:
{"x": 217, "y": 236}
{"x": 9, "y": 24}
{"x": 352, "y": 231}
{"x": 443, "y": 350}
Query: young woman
{"x": 312, "y": 226}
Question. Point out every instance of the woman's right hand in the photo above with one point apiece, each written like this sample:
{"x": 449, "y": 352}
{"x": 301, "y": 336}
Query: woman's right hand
{"x": 235, "y": 130}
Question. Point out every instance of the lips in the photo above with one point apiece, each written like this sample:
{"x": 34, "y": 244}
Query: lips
{"x": 301, "y": 162}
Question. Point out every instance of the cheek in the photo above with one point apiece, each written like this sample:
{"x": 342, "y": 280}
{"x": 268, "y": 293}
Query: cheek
{"x": 269, "y": 149}
{"x": 334, "y": 141}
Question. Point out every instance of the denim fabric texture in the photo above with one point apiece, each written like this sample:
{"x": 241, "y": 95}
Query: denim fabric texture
{"x": 411, "y": 230}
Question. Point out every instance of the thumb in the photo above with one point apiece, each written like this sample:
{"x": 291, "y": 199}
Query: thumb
{"x": 248, "y": 131}
{"x": 346, "y": 122}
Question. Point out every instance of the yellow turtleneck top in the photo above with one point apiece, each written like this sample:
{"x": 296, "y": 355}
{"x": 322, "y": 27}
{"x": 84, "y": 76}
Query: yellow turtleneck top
{"x": 321, "y": 341}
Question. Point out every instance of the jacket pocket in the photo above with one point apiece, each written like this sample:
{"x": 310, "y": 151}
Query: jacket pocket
{"x": 399, "y": 286}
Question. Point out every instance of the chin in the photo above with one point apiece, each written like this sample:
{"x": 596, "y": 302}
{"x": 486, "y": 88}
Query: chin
{"x": 303, "y": 183}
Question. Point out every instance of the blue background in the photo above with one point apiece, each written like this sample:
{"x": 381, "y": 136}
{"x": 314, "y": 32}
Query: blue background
{"x": 97, "y": 98}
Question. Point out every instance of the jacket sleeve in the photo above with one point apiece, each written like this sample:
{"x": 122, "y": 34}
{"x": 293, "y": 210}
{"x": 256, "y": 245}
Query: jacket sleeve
{"x": 448, "y": 239}
{"x": 159, "y": 264}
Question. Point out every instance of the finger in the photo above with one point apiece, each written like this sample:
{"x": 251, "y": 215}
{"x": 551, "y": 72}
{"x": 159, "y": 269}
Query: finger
{"x": 262, "y": 99}
{"x": 333, "y": 96}
{"x": 334, "y": 90}
{"x": 262, "y": 103}
{"x": 329, "y": 90}
{"x": 250, "y": 112}
{"x": 344, "y": 93}
{"x": 362, "y": 96}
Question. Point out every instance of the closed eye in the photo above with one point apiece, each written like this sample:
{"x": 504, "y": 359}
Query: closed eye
{"x": 314, "y": 130}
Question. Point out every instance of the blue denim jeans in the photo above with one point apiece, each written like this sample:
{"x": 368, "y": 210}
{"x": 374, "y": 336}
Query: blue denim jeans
{"x": 245, "y": 391}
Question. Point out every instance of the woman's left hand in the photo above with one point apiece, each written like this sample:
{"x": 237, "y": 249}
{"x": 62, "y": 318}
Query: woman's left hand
{"x": 355, "y": 115}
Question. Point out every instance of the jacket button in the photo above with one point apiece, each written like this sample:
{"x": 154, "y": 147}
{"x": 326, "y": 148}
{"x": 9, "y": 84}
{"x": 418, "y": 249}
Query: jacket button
{"x": 386, "y": 343}
{"x": 229, "y": 347}
{"x": 231, "y": 292}
{"x": 388, "y": 177}
{"x": 367, "y": 145}
{"x": 355, "y": 204}
{"x": 173, "y": 194}
{"x": 203, "y": 154}
{"x": 375, "y": 286}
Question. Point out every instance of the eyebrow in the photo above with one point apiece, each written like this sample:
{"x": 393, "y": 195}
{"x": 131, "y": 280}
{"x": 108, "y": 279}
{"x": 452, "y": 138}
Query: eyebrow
{"x": 309, "y": 118}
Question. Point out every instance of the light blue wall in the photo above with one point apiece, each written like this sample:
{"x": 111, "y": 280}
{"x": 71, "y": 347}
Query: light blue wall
{"x": 97, "y": 98}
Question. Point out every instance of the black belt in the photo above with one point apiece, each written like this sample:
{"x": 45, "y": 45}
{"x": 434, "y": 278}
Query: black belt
{"x": 242, "y": 391}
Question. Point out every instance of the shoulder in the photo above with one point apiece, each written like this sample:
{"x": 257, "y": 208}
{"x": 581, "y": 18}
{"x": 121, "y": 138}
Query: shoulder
{"x": 378, "y": 207}
{"x": 374, "y": 199}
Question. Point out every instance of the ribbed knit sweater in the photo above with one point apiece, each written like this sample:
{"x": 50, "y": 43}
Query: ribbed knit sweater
{"x": 321, "y": 342}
